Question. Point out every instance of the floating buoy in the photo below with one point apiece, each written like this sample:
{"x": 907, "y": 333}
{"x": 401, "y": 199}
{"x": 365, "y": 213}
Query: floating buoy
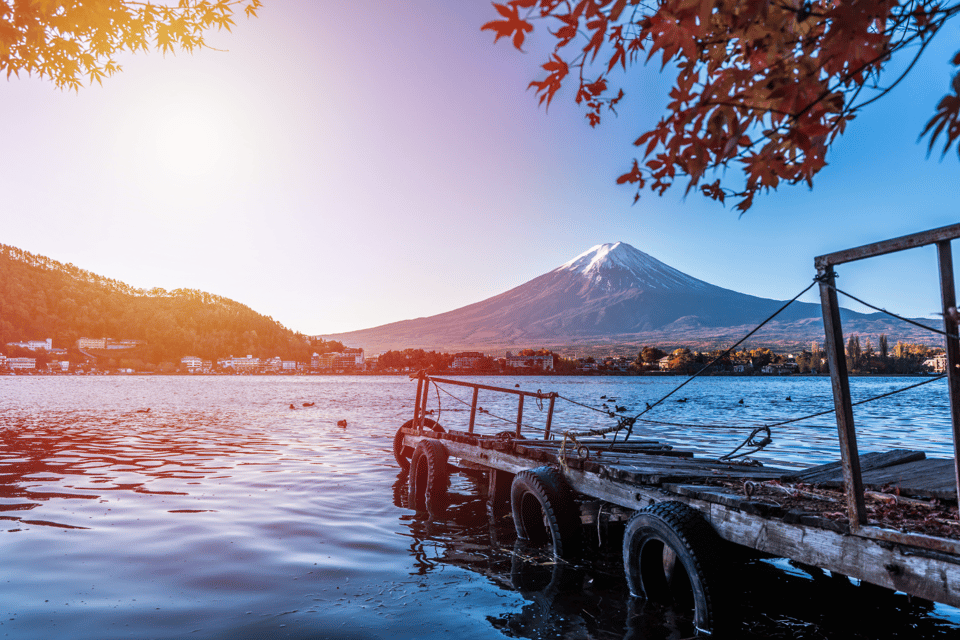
{"x": 517, "y": 386}
{"x": 342, "y": 423}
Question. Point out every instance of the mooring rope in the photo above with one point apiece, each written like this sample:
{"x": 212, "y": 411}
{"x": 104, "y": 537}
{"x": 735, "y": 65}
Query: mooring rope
{"x": 728, "y": 351}
{"x": 893, "y": 315}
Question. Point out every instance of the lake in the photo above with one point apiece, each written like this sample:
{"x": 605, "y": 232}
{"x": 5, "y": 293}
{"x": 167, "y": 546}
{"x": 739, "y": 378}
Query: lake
{"x": 222, "y": 512}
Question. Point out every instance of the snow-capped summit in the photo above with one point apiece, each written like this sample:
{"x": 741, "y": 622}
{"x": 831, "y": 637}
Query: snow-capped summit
{"x": 618, "y": 264}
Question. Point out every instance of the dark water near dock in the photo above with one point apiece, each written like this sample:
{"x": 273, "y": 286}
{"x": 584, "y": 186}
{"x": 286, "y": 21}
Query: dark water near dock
{"x": 223, "y": 513}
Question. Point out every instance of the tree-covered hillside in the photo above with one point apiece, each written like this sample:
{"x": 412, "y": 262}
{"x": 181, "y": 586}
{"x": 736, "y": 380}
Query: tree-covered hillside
{"x": 41, "y": 298}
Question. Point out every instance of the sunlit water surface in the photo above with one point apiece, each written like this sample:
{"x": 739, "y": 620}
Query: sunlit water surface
{"x": 222, "y": 512}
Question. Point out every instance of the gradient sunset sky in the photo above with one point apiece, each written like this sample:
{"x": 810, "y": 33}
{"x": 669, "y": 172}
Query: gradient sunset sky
{"x": 349, "y": 164}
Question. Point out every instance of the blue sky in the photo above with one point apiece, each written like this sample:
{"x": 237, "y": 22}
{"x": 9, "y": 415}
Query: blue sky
{"x": 344, "y": 165}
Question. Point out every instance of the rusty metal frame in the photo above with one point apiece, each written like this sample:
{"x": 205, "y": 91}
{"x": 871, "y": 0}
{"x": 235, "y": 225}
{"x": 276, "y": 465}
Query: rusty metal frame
{"x": 849, "y": 457}
{"x": 423, "y": 385}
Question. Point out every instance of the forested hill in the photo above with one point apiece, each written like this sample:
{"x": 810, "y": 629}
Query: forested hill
{"x": 41, "y": 298}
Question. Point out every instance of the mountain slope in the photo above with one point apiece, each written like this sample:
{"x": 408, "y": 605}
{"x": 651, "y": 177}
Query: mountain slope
{"x": 608, "y": 294}
{"x": 41, "y": 298}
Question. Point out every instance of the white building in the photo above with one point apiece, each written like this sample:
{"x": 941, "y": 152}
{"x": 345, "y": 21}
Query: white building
{"x": 466, "y": 360}
{"x": 22, "y": 363}
{"x": 34, "y": 345}
{"x": 937, "y": 363}
{"x": 240, "y": 365}
{"x": 544, "y": 363}
{"x": 192, "y": 364}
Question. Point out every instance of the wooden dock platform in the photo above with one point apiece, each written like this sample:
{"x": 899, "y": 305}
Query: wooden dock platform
{"x": 887, "y": 518}
{"x": 655, "y": 488}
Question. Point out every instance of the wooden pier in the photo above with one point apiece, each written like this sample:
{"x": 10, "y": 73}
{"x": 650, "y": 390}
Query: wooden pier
{"x": 685, "y": 517}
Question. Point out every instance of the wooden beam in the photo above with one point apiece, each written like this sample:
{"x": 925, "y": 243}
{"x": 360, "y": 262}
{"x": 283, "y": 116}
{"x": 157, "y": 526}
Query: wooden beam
{"x": 921, "y": 239}
{"x": 519, "y": 416}
{"x": 948, "y": 295}
{"x": 546, "y": 432}
{"x": 849, "y": 458}
{"x": 416, "y": 404}
{"x": 473, "y": 409}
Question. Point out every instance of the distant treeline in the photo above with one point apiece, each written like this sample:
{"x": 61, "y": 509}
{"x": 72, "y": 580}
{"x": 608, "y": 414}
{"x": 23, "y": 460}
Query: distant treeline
{"x": 41, "y": 298}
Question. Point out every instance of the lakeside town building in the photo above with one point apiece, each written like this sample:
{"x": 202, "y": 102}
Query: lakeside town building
{"x": 543, "y": 363}
{"x": 15, "y": 364}
{"x": 466, "y": 360}
{"x": 34, "y": 345}
{"x": 108, "y": 343}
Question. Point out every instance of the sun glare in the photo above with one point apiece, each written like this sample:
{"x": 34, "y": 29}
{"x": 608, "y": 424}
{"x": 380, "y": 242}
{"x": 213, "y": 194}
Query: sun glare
{"x": 191, "y": 140}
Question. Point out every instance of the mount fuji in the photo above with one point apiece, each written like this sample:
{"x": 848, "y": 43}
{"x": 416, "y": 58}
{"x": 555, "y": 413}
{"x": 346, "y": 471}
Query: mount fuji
{"x": 614, "y": 294}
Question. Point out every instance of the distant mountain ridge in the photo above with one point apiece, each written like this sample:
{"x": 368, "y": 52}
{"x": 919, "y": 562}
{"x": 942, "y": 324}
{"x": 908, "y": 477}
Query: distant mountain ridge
{"x": 616, "y": 294}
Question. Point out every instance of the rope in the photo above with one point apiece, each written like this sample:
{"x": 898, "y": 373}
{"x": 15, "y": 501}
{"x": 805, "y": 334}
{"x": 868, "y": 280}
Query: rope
{"x": 586, "y": 406}
{"x": 893, "y": 315}
{"x": 859, "y": 402}
{"x": 728, "y": 351}
{"x": 439, "y": 405}
{"x": 751, "y": 442}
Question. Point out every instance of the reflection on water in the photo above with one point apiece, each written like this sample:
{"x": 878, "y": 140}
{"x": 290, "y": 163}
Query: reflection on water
{"x": 224, "y": 513}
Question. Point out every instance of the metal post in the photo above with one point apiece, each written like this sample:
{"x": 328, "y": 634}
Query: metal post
{"x": 473, "y": 408}
{"x": 546, "y": 432}
{"x": 519, "y": 416}
{"x": 849, "y": 457}
{"x": 948, "y": 295}
{"x": 416, "y": 403}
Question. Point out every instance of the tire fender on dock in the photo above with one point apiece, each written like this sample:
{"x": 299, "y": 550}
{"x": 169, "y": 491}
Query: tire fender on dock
{"x": 545, "y": 511}
{"x": 671, "y": 553}
{"x": 403, "y": 454}
{"x": 429, "y": 475}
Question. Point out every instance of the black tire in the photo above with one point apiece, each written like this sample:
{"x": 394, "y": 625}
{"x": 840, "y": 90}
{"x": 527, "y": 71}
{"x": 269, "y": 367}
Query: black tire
{"x": 403, "y": 454}
{"x": 545, "y": 512}
{"x": 671, "y": 554}
{"x": 429, "y": 475}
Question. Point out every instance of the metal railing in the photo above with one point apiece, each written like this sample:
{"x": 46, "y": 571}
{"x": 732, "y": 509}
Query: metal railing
{"x": 423, "y": 390}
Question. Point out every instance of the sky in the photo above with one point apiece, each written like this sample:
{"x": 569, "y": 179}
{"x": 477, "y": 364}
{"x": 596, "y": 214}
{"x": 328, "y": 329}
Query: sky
{"x": 341, "y": 165}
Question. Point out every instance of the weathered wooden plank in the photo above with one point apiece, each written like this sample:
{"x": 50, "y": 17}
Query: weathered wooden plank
{"x": 884, "y": 563}
{"x": 832, "y": 471}
{"x": 932, "y": 477}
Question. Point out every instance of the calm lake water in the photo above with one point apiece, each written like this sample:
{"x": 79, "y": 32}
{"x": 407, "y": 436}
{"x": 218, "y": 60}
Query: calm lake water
{"x": 224, "y": 513}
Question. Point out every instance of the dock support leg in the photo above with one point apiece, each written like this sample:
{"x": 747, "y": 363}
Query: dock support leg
{"x": 948, "y": 295}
